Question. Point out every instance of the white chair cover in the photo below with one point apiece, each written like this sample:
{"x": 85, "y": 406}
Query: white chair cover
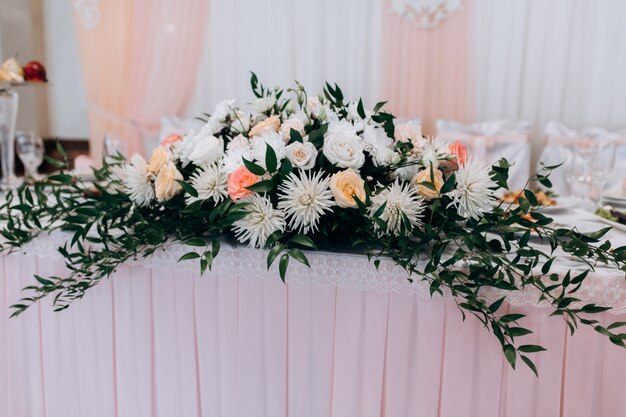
{"x": 173, "y": 125}
{"x": 490, "y": 141}
{"x": 559, "y": 137}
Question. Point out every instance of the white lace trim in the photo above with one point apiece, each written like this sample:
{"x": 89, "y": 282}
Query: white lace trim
{"x": 604, "y": 286}
{"x": 425, "y": 14}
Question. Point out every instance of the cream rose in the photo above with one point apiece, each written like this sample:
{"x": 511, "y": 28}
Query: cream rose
{"x": 291, "y": 123}
{"x": 302, "y": 155}
{"x": 165, "y": 185}
{"x": 424, "y": 176}
{"x": 271, "y": 124}
{"x": 346, "y": 185}
{"x": 160, "y": 156}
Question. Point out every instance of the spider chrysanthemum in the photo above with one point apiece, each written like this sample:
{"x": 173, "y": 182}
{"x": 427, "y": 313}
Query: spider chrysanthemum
{"x": 262, "y": 220}
{"x": 305, "y": 199}
{"x": 474, "y": 191}
{"x": 211, "y": 183}
{"x": 138, "y": 181}
{"x": 403, "y": 206}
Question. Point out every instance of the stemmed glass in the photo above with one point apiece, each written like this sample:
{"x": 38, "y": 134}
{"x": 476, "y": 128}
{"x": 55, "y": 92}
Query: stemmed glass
{"x": 589, "y": 166}
{"x": 30, "y": 151}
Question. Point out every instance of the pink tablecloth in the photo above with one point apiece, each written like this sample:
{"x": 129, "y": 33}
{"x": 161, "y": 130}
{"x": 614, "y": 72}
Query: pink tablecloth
{"x": 337, "y": 340}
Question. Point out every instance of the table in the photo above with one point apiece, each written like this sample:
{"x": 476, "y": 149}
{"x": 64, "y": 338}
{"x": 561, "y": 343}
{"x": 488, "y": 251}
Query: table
{"x": 339, "y": 339}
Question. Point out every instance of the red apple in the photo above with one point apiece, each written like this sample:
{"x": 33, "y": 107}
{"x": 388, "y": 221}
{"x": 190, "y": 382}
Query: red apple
{"x": 35, "y": 71}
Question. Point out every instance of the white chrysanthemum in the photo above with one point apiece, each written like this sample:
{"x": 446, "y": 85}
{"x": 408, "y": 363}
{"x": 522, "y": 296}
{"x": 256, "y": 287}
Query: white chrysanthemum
{"x": 207, "y": 150}
{"x": 304, "y": 200}
{"x": 211, "y": 183}
{"x": 383, "y": 156}
{"x": 239, "y": 141}
{"x": 233, "y": 158}
{"x": 138, "y": 181}
{"x": 262, "y": 220}
{"x": 259, "y": 143}
{"x": 474, "y": 189}
{"x": 402, "y": 201}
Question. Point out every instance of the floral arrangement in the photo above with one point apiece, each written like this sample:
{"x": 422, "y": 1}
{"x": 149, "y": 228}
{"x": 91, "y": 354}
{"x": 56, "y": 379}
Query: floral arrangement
{"x": 291, "y": 173}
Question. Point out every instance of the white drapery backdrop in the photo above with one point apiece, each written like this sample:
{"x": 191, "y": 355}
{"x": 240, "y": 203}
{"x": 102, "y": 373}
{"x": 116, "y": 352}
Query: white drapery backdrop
{"x": 283, "y": 40}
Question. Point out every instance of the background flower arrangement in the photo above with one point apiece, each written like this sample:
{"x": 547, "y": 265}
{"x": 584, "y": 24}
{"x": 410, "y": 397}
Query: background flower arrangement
{"x": 291, "y": 172}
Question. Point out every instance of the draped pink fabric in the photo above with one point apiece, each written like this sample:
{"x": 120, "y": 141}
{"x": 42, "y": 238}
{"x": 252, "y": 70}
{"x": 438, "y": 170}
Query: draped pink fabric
{"x": 139, "y": 63}
{"x": 426, "y": 72}
{"x": 165, "y": 342}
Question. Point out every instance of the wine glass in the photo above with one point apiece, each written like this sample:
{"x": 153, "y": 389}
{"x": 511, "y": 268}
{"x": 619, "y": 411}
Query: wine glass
{"x": 589, "y": 166}
{"x": 30, "y": 151}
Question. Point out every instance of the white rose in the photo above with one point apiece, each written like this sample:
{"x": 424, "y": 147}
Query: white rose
{"x": 185, "y": 147}
{"x": 207, "y": 151}
{"x": 239, "y": 141}
{"x": 263, "y": 104}
{"x": 344, "y": 150}
{"x": 302, "y": 155}
{"x": 291, "y": 123}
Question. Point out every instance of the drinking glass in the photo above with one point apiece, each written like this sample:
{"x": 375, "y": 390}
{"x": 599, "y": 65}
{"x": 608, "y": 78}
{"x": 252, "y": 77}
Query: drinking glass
{"x": 30, "y": 151}
{"x": 588, "y": 168}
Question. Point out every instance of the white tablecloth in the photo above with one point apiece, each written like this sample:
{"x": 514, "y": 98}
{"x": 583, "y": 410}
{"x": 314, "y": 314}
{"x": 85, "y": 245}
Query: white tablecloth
{"x": 339, "y": 339}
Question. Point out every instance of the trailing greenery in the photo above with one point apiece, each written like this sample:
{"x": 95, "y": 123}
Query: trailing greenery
{"x": 452, "y": 253}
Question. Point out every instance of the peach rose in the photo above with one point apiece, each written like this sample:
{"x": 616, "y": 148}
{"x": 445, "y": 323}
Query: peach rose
{"x": 238, "y": 181}
{"x": 460, "y": 151}
{"x": 346, "y": 185}
{"x": 424, "y": 176}
{"x": 165, "y": 185}
{"x": 271, "y": 123}
{"x": 160, "y": 157}
{"x": 170, "y": 139}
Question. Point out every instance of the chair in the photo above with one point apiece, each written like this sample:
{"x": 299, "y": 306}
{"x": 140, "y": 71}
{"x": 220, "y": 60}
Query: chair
{"x": 491, "y": 141}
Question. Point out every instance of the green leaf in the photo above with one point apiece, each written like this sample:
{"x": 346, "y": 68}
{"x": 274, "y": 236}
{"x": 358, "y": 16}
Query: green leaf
{"x": 295, "y": 136}
{"x": 282, "y": 266}
{"x": 616, "y": 325}
{"x": 510, "y": 354}
{"x": 530, "y": 196}
{"x": 299, "y": 256}
{"x": 518, "y": 331}
{"x": 195, "y": 242}
{"x": 360, "y": 110}
{"x": 379, "y": 106}
{"x": 273, "y": 254}
{"x": 61, "y": 151}
{"x": 262, "y": 186}
{"x": 62, "y": 178}
{"x": 188, "y": 256}
{"x": 188, "y": 188}
{"x": 304, "y": 241}
{"x": 530, "y": 364}
{"x": 252, "y": 167}
{"x": 530, "y": 348}
{"x": 54, "y": 162}
{"x": 43, "y": 281}
{"x": 496, "y": 305}
{"x": 270, "y": 158}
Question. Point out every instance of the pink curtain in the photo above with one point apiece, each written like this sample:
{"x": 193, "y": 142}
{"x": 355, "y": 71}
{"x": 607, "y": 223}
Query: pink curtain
{"x": 426, "y": 72}
{"x": 139, "y": 62}
{"x": 163, "y": 341}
